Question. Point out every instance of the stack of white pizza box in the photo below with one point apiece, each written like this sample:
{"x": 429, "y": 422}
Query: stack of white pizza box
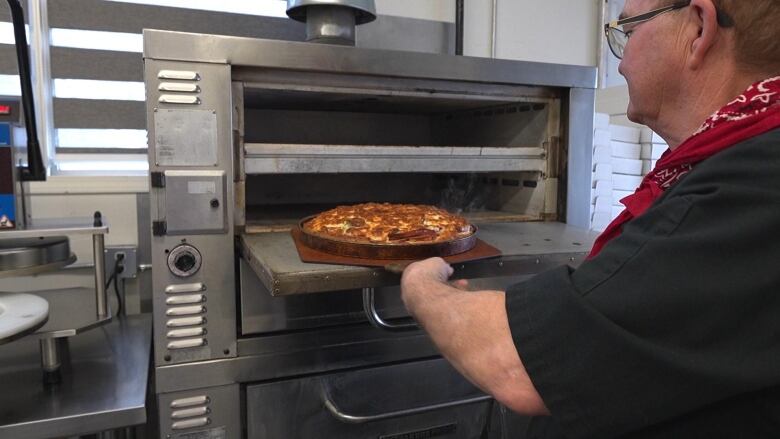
{"x": 622, "y": 155}
{"x": 617, "y": 169}
{"x": 601, "y": 193}
{"x": 652, "y": 148}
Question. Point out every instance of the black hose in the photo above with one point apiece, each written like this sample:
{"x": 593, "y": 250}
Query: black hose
{"x": 35, "y": 170}
{"x": 114, "y": 278}
{"x": 458, "y": 27}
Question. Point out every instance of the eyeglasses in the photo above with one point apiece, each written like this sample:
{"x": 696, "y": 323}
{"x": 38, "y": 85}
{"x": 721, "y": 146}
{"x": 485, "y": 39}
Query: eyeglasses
{"x": 617, "y": 37}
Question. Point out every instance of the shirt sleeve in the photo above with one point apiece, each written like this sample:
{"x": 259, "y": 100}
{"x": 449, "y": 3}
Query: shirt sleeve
{"x": 677, "y": 313}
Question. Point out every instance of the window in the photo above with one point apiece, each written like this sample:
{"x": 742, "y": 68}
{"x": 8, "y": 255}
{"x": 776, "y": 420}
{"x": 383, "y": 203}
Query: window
{"x": 90, "y": 69}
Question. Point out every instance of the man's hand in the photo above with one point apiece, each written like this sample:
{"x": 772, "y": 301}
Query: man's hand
{"x": 461, "y": 284}
{"x": 471, "y": 330}
{"x": 422, "y": 279}
{"x": 435, "y": 269}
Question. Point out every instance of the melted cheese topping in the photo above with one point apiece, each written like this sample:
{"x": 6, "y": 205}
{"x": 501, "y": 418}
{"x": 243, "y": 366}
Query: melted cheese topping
{"x": 385, "y": 223}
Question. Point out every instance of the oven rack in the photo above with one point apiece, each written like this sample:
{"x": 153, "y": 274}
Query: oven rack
{"x": 281, "y": 158}
{"x": 527, "y": 248}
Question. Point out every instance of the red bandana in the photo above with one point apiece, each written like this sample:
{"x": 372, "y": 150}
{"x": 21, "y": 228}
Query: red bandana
{"x": 755, "y": 112}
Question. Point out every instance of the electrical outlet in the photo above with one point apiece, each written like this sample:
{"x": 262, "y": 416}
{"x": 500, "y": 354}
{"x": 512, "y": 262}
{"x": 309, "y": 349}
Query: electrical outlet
{"x": 128, "y": 255}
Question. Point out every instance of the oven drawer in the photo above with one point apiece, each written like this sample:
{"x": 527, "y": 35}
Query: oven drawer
{"x": 413, "y": 400}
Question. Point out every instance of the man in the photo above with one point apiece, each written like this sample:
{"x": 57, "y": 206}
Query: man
{"x": 671, "y": 328}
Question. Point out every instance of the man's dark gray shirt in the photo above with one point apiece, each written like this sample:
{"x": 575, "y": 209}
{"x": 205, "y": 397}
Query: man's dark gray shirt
{"x": 673, "y": 330}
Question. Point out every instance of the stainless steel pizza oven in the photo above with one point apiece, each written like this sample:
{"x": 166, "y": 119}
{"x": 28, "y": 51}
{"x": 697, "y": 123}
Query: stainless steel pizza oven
{"x": 248, "y": 136}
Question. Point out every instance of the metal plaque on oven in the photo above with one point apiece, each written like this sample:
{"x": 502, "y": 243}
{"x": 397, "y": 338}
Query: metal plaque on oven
{"x": 185, "y": 137}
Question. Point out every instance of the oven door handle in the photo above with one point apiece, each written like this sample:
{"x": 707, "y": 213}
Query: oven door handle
{"x": 369, "y": 307}
{"x": 358, "y": 419}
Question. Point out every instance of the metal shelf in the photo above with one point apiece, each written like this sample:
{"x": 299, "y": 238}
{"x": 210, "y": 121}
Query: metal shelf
{"x": 56, "y": 227}
{"x": 103, "y": 387}
{"x": 527, "y": 248}
{"x": 38, "y": 269}
{"x": 267, "y": 158}
{"x": 71, "y": 311}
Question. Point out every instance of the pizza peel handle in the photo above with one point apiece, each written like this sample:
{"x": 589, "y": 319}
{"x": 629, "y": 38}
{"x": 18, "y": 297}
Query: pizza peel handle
{"x": 399, "y": 267}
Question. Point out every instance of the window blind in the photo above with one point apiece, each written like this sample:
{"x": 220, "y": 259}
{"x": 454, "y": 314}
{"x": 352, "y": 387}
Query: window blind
{"x": 9, "y": 71}
{"x": 95, "y": 56}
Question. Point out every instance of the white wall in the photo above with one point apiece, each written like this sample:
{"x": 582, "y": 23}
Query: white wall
{"x": 439, "y": 10}
{"x": 80, "y": 197}
{"x": 69, "y": 197}
{"x": 555, "y": 31}
{"x": 614, "y": 101}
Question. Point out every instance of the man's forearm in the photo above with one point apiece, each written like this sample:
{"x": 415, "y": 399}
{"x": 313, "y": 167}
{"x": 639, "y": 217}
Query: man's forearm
{"x": 471, "y": 330}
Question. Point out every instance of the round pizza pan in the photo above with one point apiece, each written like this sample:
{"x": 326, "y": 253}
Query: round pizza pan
{"x": 387, "y": 251}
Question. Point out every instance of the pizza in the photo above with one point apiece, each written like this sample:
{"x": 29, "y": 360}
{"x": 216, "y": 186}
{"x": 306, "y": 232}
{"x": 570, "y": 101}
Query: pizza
{"x": 389, "y": 224}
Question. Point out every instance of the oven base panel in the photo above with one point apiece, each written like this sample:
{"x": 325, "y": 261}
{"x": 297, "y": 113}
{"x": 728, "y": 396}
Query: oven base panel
{"x": 286, "y": 355}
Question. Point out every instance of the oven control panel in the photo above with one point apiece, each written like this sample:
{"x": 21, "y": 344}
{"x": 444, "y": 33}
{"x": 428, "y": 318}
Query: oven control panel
{"x": 189, "y": 120}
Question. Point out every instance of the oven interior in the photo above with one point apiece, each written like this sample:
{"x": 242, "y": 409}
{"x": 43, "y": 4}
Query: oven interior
{"x": 491, "y": 153}
{"x": 373, "y": 119}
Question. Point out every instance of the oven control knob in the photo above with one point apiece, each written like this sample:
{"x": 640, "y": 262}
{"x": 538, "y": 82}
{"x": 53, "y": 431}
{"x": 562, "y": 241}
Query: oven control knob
{"x": 184, "y": 260}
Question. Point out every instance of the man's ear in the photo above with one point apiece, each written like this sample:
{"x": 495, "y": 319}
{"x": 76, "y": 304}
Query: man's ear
{"x": 704, "y": 16}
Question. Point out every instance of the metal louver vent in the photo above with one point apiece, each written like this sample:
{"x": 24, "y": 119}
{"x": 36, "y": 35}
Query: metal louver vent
{"x": 191, "y": 412}
{"x": 179, "y": 87}
{"x": 186, "y": 309}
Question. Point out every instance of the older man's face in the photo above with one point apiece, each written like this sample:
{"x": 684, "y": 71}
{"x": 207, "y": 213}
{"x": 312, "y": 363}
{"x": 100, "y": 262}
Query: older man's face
{"x": 652, "y": 61}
